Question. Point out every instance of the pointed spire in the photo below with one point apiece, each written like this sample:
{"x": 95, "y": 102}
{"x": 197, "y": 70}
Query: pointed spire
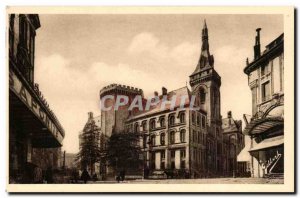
{"x": 205, "y": 26}
{"x": 204, "y": 32}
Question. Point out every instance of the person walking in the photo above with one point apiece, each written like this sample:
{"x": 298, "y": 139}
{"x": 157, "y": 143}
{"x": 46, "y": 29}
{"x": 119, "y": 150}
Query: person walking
{"x": 85, "y": 176}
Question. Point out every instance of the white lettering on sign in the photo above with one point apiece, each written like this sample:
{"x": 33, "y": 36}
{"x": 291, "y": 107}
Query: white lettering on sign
{"x": 19, "y": 89}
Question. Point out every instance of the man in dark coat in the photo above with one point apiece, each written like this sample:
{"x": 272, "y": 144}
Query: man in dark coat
{"x": 85, "y": 176}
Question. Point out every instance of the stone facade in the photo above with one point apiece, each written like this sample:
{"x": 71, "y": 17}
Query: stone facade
{"x": 234, "y": 141}
{"x": 266, "y": 127}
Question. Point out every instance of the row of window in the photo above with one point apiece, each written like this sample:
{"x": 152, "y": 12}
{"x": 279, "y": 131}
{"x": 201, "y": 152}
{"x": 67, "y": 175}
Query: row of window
{"x": 172, "y": 160}
{"x": 196, "y": 120}
{"x": 152, "y": 140}
{"x": 152, "y": 123}
{"x": 198, "y": 137}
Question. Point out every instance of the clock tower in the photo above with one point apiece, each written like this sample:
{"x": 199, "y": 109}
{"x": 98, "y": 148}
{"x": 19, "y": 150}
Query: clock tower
{"x": 205, "y": 83}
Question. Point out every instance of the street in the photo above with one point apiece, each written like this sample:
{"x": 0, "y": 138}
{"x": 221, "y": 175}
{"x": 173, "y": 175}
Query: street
{"x": 201, "y": 181}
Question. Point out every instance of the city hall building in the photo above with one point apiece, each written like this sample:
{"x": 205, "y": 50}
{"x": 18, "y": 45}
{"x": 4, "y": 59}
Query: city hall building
{"x": 185, "y": 140}
{"x": 35, "y": 134}
{"x": 266, "y": 127}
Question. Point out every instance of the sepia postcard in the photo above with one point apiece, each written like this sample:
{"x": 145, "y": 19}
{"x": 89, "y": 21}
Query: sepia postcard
{"x": 150, "y": 99}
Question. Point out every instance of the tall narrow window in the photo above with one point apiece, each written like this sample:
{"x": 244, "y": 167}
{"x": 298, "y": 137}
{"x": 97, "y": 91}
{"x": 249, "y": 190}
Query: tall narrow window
{"x": 153, "y": 140}
{"x": 203, "y": 122}
{"x": 276, "y": 75}
{"x": 162, "y": 122}
{"x": 182, "y": 117}
{"x": 144, "y": 141}
{"x": 136, "y": 127}
{"x": 162, "y": 139}
{"x": 202, "y": 96}
{"x": 182, "y": 135}
{"x": 172, "y": 137}
{"x": 265, "y": 89}
{"x": 193, "y": 118}
{"x": 254, "y": 100}
{"x": 172, "y": 120}
{"x": 152, "y": 124}
{"x": 144, "y": 125}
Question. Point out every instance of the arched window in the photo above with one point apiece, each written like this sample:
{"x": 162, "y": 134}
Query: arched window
{"x": 162, "y": 139}
{"x": 202, "y": 95}
{"x": 136, "y": 127}
{"x": 182, "y": 135}
{"x": 172, "y": 120}
{"x": 152, "y": 124}
{"x": 162, "y": 122}
{"x": 144, "y": 125}
{"x": 172, "y": 137}
{"x": 182, "y": 117}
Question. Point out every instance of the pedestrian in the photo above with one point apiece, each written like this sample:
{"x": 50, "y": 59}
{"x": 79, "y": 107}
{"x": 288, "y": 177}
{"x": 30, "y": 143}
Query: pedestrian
{"x": 122, "y": 175}
{"x": 85, "y": 176}
{"x": 118, "y": 178}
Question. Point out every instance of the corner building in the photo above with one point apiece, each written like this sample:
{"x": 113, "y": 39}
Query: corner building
{"x": 35, "y": 134}
{"x": 266, "y": 126}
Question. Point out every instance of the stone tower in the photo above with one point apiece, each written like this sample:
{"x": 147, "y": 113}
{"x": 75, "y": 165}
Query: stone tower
{"x": 114, "y": 120}
{"x": 205, "y": 83}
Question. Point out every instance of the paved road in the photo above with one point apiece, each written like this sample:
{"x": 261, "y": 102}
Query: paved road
{"x": 203, "y": 181}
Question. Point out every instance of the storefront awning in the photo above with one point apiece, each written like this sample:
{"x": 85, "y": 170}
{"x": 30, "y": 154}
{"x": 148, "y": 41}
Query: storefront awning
{"x": 28, "y": 113}
{"x": 261, "y": 125}
{"x": 268, "y": 143}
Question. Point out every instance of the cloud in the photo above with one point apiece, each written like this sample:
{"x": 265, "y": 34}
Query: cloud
{"x": 150, "y": 64}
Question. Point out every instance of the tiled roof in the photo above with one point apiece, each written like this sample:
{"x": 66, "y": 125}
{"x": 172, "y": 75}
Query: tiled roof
{"x": 157, "y": 108}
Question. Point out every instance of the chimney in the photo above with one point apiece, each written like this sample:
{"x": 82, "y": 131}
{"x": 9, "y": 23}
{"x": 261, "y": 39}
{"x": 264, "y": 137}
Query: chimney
{"x": 229, "y": 115}
{"x": 164, "y": 91}
{"x": 257, "y": 44}
{"x": 90, "y": 115}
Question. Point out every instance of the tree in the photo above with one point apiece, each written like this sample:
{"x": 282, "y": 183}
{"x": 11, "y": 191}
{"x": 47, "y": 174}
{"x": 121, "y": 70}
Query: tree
{"x": 123, "y": 151}
{"x": 89, "y": 152}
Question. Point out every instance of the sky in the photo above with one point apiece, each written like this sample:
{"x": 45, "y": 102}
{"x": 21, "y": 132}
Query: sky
{"x": 77, "y": 55}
